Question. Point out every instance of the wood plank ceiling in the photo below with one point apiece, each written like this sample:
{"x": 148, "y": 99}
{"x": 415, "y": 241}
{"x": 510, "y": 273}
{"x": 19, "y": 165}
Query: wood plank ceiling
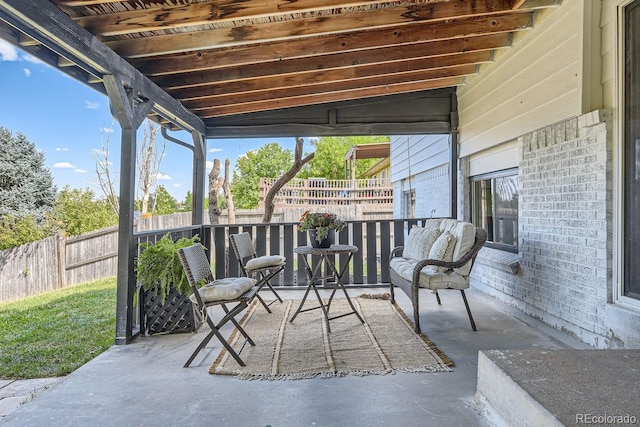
{"x": 227, "y": 58}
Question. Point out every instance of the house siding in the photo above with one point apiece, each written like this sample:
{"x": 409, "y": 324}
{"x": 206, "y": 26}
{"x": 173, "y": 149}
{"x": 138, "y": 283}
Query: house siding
{"x": 535, "y": 83}
{"x": 421, "y": 163}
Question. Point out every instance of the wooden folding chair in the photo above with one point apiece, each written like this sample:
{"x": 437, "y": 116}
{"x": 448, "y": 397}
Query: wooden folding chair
{"x": 231, "y": 290}
{"x": 263, "y": 268}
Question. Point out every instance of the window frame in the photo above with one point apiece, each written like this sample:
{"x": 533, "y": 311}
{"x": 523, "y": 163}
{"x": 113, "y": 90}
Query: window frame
{"x": 492, "y": 176}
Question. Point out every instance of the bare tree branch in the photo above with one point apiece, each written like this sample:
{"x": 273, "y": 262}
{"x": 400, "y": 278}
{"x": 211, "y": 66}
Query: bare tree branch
{"x": 298, "y": 163}
{"x": 149, "y": 159}
{"x": 106, "y": 181}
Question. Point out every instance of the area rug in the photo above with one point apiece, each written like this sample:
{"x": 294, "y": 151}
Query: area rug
{"x": 384, "y": 344}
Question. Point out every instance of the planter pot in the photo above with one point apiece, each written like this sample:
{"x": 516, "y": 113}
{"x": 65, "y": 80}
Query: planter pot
{"x": 177, "y": 314}
{"x": 325, "y": 243}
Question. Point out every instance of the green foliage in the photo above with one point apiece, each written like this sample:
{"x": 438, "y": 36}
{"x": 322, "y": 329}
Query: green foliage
{"x": 270, "y": 161}
{"x": 328, "y": 161}
{"x": 322, "y": 222}
{"x": 164, "y": 202}
{"x": 18, "y": 231}
{"x": 159, "y": 266}
{"x": 26, "y": 185}
{"x": 54, "y": 333}
{"x": 77, "y": 211}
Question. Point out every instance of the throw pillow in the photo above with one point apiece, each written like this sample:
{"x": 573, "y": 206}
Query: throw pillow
{"x": 442, "y": 250}
{"x": 422, "y": 243}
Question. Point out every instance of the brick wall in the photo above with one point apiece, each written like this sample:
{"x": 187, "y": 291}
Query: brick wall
{"x": 565, "y": 212}
{"x": 432, "y": 193}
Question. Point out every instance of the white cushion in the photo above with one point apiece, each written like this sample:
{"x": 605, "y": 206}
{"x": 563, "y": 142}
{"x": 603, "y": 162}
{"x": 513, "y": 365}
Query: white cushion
{"x": 429, "y": 278}
{"x": 264, "y": 261}
{"x": 465, "y": 234}
{"x": 224, "y": 289}
{"x": 442, "y": 250}
{"x": 419, "y": 242}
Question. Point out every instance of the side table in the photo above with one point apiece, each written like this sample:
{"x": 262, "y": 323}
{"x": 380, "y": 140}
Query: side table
{"x": 314, "y": 276}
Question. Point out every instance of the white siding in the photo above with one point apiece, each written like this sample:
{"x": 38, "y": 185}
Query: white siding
{"x": 536, "y": 83}
{"x": 417, "y": 153}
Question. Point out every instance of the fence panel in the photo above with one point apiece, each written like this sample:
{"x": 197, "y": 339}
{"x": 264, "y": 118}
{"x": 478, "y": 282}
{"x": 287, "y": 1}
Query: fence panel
{"x": 29, "y": 269}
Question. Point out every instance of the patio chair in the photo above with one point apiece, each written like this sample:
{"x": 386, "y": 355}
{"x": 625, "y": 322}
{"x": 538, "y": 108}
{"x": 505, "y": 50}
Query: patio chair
{"x": 238, "y": 291}
{"x": 262, "y": 268}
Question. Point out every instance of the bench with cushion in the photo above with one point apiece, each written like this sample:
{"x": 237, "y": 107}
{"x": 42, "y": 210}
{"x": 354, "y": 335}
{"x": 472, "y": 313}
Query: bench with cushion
{"x": 437, "y": 256}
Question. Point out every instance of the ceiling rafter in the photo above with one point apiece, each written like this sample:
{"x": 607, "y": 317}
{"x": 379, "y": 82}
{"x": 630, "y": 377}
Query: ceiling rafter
{"x": 385, "y": 40}
{"x": 348, "y": 61}
{"x": 304, "y": 27}
{"x": 265, "y": 65}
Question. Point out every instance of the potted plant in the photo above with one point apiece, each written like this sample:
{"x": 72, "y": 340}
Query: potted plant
{"x": 164, "y": 289}
{"x": 321, "y": 227}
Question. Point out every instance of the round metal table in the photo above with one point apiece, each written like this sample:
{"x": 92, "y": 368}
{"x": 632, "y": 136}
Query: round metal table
{"x": 314, "y": 275}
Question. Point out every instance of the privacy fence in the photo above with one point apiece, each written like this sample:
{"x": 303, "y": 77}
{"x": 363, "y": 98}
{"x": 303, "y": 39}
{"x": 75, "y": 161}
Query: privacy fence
{"x": 57, "y": 261}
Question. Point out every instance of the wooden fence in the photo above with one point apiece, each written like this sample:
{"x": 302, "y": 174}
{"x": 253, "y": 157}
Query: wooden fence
{"x": 319, "y": 191}
{"x": 56, "y": 262}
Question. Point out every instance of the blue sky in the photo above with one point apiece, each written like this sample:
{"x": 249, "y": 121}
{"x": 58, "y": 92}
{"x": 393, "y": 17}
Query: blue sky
{"x": 69, "y": 122}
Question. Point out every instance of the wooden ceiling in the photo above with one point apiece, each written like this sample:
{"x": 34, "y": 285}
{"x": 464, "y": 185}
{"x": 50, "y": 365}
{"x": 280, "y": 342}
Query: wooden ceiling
{"x": 231, "y": 59}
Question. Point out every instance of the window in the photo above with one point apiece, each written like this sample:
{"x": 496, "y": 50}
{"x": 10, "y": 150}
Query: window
{"x": 409, "y": 204}
{"x": 494, "y": 201}
{"x": 631, "y": 106}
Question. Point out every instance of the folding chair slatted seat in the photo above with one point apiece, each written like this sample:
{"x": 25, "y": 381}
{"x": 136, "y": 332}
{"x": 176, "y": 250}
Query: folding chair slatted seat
{"x": 231, "y": 290}
{"x": 263, "y": 268}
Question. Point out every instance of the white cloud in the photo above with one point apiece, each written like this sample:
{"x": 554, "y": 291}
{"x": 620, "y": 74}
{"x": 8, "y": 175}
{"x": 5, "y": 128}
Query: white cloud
{"x": 63, "y": 165}
{"x": 61, "y": 149}
{"x": 163, "y": 177}
{"x": 80, "y": 171}
{"x": 215, "y": 150}
{"x": 7, "y": 51}
{"x": 177, "y": 185}
{"x": 91, "y": 105}
{"x": 32, "y": 59}
{"x": 209, "y": 165}
{"x": 106, "y": 130}
{"x": 27, "y": 72}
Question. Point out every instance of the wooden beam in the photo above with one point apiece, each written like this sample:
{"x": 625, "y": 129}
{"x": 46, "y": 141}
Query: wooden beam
{"x": 278, "y": 95}
{"x": 322, "y": 76}
{"x": 267, "y": 105}
{"x": 329, "y": 45}
{"x": 167, "y": 17}
{"x": 305, "y": 27}
{"x": 350, "y": 60}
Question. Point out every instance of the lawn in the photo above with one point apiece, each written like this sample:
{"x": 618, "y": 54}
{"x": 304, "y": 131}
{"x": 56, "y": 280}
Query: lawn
{"x": 54, "y": 333}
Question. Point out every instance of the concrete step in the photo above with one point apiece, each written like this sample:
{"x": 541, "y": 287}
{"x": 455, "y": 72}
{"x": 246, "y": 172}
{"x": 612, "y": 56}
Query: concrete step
{"x": 559, "y": 387}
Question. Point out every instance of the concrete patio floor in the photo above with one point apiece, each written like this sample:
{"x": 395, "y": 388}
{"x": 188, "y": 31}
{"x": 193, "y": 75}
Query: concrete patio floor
{"x": 144, "y": 384}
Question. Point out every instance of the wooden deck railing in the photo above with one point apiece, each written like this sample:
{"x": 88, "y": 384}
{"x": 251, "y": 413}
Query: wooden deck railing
{"x": 304, "y": 192}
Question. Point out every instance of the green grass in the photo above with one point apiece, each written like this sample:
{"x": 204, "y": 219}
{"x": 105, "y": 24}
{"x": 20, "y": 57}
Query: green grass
{"x": 54, "y": 333}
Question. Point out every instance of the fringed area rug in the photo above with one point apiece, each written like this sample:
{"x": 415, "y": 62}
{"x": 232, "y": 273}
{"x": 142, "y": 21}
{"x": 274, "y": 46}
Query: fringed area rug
{"x": 385, "y": 343}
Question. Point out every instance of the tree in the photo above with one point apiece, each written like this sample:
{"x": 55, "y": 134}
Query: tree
{"x": 78, "y": 211}
{"x": 228, "y": 195}
{"x": 27, "y": 193}
{"x": 329, "y": 156}
{"x": 164, "y": 202}
{"x": 26, "y": 185}
{"x": 270, "y": 161}
{"x": 149, "y": 158}
{"x": 298, "y": 163}
{"x": 106, "y": 179}
{"x": 215, "y": 182}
